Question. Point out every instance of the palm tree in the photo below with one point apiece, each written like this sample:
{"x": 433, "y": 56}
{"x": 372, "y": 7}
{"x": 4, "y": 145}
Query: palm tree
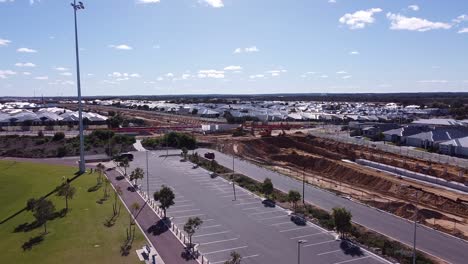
{"x": 134, "y": 210}
{"x": 191, "y": 227}
{"x": 106, "y": 185}
{"x": 294, "y": 197}
{"x": 184, "y": 152}
{"x": 235, "y": 258}
{"x": 124, "y": 163}
{"x": 118, "y": 192}
{"x": 100, "y": 168}
{"x": 137, "y": 174}
{"x": 166, "y": 197}
{"x": 66, "y": 191}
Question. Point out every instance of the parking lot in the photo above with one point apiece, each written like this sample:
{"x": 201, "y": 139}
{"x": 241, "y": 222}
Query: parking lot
{"x": 261, "y": 234}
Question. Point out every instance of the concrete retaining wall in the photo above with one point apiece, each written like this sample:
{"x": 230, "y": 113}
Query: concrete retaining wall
{"x": 414, "y": 175}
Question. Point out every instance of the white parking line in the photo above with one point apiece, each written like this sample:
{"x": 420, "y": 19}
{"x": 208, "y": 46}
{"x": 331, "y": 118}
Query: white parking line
{"x": 211, "y": 226}
{"x": 184, "y": 216}
{"x": 264, "y": 212}
{"x": 218, "y": 241}
{"x": 283, "y": 223}
{"x": 250, "y": 208}
{"x": 297, "y": 228}
{"x": 238, "y": 195}
{"x": 181, "y": 211}
{"x": 247, "y": 203}
{"x": 246, "y": 257}
{"x": 350, "y": 260}
{"x": 309, "y": 245}
{"x": 308, "y": 235}
{"x": 182, "y": 201}
{"x": 223, "y": 250}
{"x": 268, "y": 218}
{"x": 210, "y": 234}
{"x": 185, "y": 205}
{"x": 204, "y": 220}
{"x": 329, "y": 252}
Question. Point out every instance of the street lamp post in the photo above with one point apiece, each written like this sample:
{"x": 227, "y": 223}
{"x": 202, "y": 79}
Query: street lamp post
{"x": 80, "y": 107}
{"x": 233, "y": 183}
{"x": 299, "y": 243}
{"x": 415, "y": 221}
{"x": 303, "y": 185}
{"x": 147, "y": 177}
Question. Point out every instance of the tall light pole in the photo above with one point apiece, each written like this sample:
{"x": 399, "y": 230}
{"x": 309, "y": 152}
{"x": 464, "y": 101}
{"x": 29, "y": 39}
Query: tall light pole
{"x": 415, "y": 220}
{"x": 299, "y": 243}
{"x": 80, "y": 107}
{"x": 147, "y": 176}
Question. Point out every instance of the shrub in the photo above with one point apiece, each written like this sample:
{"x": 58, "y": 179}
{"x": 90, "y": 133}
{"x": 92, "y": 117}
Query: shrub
{"x": 61, "y": 151}
{"x": 58, "y": 136}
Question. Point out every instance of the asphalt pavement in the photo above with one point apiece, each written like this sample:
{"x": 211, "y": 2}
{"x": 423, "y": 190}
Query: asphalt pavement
{"x": 449, "y": 248}
{"x": 261, "y": 234}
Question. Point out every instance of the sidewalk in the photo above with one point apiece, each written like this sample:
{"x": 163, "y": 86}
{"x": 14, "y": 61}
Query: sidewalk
{"x": 166, "y": 244}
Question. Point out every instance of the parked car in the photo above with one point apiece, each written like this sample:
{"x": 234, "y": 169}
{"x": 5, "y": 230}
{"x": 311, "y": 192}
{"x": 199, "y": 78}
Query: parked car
{"x": 298, "y": 219}
{"x": 129, "y": 156}
{"x": 209, "y": 155}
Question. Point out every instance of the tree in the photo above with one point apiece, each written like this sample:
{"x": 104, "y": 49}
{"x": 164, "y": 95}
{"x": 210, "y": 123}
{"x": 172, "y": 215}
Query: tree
{"x": 58, "y": 136}
{"x": 184, "y": 152}
{"x": 31, "y": 204}
{"x": 267, "y": 187}
{"x": 100, "y": 169}
{"x": 166, "y": 197}
{"x": 118, "y": 192}
{"x": 137, "y": 174}
{"x": 235, "y": 258}
{"x": 342, "y": 219}
{"x": 124, "y": 163}
{"x": 196, "y": 158}
{"x": 191, "y": 227}
{"x": 66, "y": 191}
{"x": 294, "y": 197}
{"x": 134, "y": 207}
{"x": 106, "y": 186}
{"x": 43, "y": 210}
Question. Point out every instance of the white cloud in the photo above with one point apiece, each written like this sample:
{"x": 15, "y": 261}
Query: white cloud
{"x": 90, "y": 74}
{"x": 215, "y": 74}
{"x": 346, "y": 76}
{"x": 160, "y": 79}
{"x": 433, "y": 81}
{"x": 26, "y": 50}
{"x": 233, "y": 68}
{"x": 213, "y": 3}
{"x": 413, "y": 7}
{"x": 275, "y": 73}
{"x": 61, "y": 69}
{"x": 42, "y": 78}
{"x": 66, "y": 73}
{"x": 332, "y": 1}
{"x": 359, "y": 19}
{"x": 156, "y": 47}
{"x": 5, "y": 73}
{"x": 463, "y": 30}
{"x": 121, "y": 47}
{"x": 257, "y": 76}
{"x": 400, "y": 22}
{"x": 26, "y": 73}
{"x": 341, "y": 72}
{"x": 246, "y": 50}
{"x": 4, "y": 42}
{"x": 460, "y": 19}
{"x": 135, "y": 75}
{"x": 26, "y": 64}
{"x": 354, "y": 52}
{"x": 122, "y": 79}
{"x": 68, "y": 83}
{"x": 148, "y": 1}
{"x": 169, "y": 75}
{"x": 123, "y": 76}
{"x": 324, "y": 76}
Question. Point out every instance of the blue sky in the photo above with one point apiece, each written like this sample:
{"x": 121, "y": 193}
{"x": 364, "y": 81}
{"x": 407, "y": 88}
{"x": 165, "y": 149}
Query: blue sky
{"x": 234, "y": 46}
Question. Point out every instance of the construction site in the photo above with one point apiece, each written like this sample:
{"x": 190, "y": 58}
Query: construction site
{"x": 440, "y": 196}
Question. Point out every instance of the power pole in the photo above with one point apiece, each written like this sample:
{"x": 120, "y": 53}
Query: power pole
{"x": 147, "y": 177}
{"x": 233, "y": 183}
{"x": 80, "y": 107}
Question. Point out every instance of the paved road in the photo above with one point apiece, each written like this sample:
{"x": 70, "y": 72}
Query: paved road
{"x": 260, "y": 234}
{"x": 166, "y": 244}
{"x": 433, "y": 242}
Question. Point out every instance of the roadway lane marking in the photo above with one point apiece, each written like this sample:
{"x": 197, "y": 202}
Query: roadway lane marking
{"x": 279, "y": 216}
{"x": 329, "y": 252}
{"x": 218, "y": 241}
{"x": 297, "y": 228}
{"x": 283, "y": 223}
{"x": 320, "y": 243}
{"x": 238, "y": 195}
{"x": 350, "y": 260}
{"x": 211, "y": 234}
{"x": 223, "y": 250}
{"x": 246, "y": 203}
{"x": 182, "y": 201}
{"x": 265, "y": 212}
{"x": 204, "y": 220}
{"x": 181, "y": 211}
{"x": 308, "y": 235}
{"x": 246, "y": 257}
{"x": 184, "y": 216}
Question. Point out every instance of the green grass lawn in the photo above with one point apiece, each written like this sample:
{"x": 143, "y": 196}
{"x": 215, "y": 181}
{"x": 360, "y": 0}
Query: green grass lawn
{"x": 79, "y": 237}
